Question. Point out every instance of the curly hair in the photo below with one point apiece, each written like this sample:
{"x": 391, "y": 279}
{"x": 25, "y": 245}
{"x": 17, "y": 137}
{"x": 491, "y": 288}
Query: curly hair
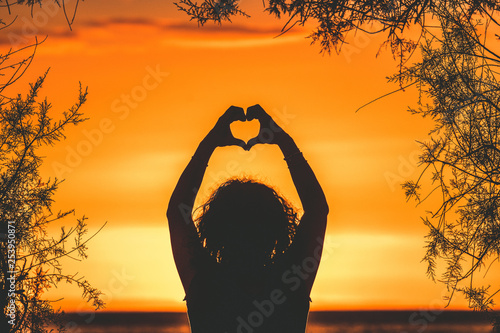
{"x": 246, "y": 222}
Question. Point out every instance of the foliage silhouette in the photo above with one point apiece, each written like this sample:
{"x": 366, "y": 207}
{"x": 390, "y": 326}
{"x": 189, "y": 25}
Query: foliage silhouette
{"x": 460, "y": 91}
{"x": 31, "y": 260}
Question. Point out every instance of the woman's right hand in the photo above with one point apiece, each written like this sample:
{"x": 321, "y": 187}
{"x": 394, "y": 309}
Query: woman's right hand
{"x": 269, "y": 131}
{"x": 220, "y": 135}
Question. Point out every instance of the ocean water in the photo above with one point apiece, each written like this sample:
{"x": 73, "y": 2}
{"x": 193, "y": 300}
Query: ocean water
{"x": 319, "y": 322}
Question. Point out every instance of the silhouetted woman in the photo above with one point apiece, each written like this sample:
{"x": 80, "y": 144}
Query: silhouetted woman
{"x": 248, "y": 264}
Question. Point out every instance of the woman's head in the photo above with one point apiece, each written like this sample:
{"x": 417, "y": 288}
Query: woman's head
{"x": 246, "y": 222}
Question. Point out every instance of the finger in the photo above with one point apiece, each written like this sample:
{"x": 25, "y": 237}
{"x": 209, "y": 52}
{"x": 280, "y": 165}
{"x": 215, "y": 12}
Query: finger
{"x": 235, "y": 113}
{"x": 251, "y": 143}
{"x": 237, "y": 142}
{"x": 255, "y": 112}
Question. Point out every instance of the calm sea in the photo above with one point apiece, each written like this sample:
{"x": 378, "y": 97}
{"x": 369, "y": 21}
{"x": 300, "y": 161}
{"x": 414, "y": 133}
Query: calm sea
{"x": 319, "y": 322}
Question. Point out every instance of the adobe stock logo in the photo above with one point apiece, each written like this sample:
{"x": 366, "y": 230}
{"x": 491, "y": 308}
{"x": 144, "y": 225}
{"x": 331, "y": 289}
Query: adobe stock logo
{"x": 31, "y": 26}
{"x": 406, "y": 168}
{"x": 292, "y": 279}
{"x": 115, "y": 286}
{"x": 122, "y": 106}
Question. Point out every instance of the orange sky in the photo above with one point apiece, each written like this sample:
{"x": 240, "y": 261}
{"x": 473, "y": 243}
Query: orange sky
{"x": 122, "y": 164}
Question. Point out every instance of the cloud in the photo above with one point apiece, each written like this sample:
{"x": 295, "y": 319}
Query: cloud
{"x": 120, "y": 29}
{"x": 235, "y": 43}
{"x": 18, "y": 37}
{"x": 106, "y": 23}
{"x": 186, "y": 26}
{"x": 228, "y": 28}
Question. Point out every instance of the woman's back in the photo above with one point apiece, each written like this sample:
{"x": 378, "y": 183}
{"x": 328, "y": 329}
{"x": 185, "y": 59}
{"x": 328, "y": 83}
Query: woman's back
{"x": 229, "y": 300}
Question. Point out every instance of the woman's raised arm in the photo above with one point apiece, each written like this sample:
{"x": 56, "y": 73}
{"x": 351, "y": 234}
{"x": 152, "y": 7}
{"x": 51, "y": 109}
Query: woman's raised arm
{"x": 308, "y": 241}
{"x": 183, "y": 234}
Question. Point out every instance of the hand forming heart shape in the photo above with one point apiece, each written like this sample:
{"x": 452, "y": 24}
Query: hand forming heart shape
{"x": 268, "y": 129}
{"x": 222, "y": 136}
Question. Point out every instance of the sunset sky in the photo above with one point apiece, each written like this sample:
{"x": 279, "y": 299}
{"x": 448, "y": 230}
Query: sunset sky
{"x": 157, "y": 84}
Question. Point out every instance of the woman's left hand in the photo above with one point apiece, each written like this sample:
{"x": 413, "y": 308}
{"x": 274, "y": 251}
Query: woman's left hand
{"x": 220, "y": 135}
